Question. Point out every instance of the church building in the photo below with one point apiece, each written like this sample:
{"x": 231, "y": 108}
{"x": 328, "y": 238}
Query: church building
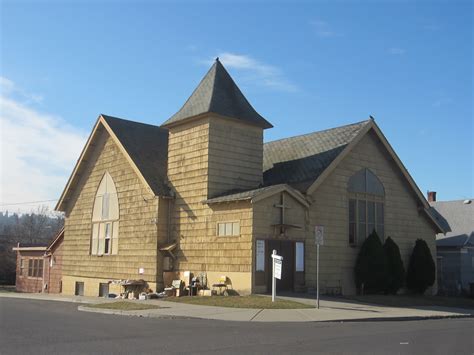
{"x": 202, "y": 194}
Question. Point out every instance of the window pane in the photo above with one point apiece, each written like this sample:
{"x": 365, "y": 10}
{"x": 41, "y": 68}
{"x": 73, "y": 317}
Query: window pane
{"x": 221, "y": 229}
{"x": 380, "y": 217}
{"x": 352, "y": 233}
{"x": 352, "y": 210}
{"x": 105, "y": 206}
{"x": 374, "y": 186}
{"x": 228, "y": 229}
{"x": 361, "y": 211}
{"x": 299, "y": 256}
{"x": 107, "y": 231}
{"x": 40, "y": 268}
{"x": 357, "y": 182}
{"x": 107, "y": 246}
{"x": 370, "y": 212}
{"x": 30, "y": 267}
{"x": 370, "y": 228}
{"x": 380, "y": 231}
{"x": 35, "y": 268}
{"x": 361, "y": 235}
{"x": 236, "y": 228}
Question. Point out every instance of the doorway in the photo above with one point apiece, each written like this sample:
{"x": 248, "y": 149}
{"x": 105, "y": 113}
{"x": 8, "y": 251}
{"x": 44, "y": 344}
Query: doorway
{"x": 286, "y": 249}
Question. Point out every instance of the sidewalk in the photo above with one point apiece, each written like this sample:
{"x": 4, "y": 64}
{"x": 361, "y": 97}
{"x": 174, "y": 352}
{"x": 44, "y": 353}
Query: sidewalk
{"x": 330, "y": 310}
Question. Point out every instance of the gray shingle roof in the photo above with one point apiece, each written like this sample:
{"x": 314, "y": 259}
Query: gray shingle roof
{"x": 147, "y": 146}
{"x": 243, "y": 195}
{"x": 298, "y": 161}
{"x": 457, "y": 218}
{"x": 218, "y": 93}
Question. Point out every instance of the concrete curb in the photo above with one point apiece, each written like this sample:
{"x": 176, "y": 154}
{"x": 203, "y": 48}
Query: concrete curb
{"x": 401, "y": 318}
{"x": 144, "y": 314}
{"x": 139, "y": 314}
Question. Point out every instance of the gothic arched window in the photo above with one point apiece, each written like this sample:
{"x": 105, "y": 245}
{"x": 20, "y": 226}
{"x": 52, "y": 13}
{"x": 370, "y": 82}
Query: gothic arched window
{"x": 105, "y": 218}
{"x": 366, "y": 206}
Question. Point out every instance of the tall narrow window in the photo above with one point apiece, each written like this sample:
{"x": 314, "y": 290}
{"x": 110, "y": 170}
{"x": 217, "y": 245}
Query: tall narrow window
{"x": 299, "y": 256}
{"x": 366, "y": 206}
{"x": 105, "y": 218}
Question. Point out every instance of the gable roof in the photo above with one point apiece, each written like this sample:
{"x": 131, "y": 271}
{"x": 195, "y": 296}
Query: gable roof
{"x": 299, "y": 161}
{"x": 256, "y": 195}
{"x": 144, "y": 146}
{"x": 217, "y": 93}
{"x": 311, "y": 158}
{"x": 147, "y": 146}
{"x": 458, "y": 219}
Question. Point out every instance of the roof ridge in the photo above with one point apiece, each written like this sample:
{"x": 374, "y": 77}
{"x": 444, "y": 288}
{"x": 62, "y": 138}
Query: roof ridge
{"x": 131, "y": 121}
{"x": 324, "y": 130}
{"x": 450, "y": 201}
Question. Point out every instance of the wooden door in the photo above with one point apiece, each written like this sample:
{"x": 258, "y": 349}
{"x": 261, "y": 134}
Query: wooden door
{"x": 286, "y": 249}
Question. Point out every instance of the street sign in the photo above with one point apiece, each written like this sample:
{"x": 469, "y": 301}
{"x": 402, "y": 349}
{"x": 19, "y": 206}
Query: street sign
{"x": 277, "y": 260}
{"x": 319, "y": 235}
{"x": 278, "y": 269}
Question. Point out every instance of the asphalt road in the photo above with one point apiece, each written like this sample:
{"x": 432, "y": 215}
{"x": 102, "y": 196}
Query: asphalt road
{"x": 45, "y": 327}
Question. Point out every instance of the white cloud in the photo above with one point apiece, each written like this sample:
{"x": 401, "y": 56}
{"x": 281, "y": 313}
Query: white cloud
{"x": 322, "y": 29}
{"x": 256, "y": 72}
{"x": 37, "y": 152}
{"x": 8, "y": 87}
{"x": 396, "y": 51}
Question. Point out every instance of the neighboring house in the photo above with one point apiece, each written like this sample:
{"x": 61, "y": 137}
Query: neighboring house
{"x": 29, "y": 268}
{"x": 38, "y": 268}
{"x": 456, "y": 248}
{"x": 203, "y": 194}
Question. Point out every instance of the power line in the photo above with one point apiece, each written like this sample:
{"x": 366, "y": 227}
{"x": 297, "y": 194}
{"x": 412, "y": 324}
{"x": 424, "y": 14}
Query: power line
{"x": 26, "y": 203}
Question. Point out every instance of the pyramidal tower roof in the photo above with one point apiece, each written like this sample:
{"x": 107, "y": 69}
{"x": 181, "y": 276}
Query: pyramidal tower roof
{"x": 217, "y": 93}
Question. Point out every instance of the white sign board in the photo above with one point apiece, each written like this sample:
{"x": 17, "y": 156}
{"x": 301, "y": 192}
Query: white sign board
{"x": 319, "y": 235}
{"x": 278, "y": 268}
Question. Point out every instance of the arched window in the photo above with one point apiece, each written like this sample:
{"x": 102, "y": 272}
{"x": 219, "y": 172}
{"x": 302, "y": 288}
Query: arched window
{"x": 105, "y": 218}
{"x": 366, "y": 206}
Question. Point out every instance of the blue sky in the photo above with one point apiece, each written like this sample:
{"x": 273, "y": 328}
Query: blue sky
{"x": 305, "y": 66}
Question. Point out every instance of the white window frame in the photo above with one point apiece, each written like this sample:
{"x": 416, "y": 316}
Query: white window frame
{"x": 229, "y": 229}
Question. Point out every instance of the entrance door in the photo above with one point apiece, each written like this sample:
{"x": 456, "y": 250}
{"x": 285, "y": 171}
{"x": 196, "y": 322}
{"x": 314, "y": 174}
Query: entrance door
{"x": 286, "y": 249}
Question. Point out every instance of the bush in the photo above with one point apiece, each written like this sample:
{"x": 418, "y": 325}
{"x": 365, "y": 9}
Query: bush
{"x": 421, "y": 270}
{"x": 395, "y": 269}
{"x": 371, "y": 266}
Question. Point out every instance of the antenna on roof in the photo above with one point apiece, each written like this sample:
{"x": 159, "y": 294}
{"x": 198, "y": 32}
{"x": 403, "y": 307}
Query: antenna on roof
{"x": 372, "y": 117}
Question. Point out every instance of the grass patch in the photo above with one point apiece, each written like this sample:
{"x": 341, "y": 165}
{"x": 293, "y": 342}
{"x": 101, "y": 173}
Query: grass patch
{"x": 123, "y": 306}
{"x": 415, "y": 301}
{"x": 252, "y": 301}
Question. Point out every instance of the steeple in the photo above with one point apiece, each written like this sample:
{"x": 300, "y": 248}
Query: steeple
{"x": 217, "y": 93}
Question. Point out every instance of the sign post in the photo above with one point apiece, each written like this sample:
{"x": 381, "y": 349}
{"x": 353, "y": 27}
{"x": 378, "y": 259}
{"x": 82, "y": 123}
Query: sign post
{"x": 277, "y": 261}
{"x": 319, "y": 236}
